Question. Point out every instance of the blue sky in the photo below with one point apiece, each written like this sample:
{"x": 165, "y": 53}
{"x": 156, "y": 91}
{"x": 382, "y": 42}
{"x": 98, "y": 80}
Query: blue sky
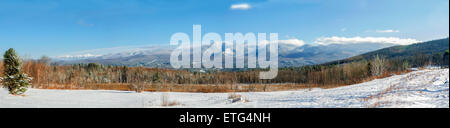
{"x": 57, "y": 27}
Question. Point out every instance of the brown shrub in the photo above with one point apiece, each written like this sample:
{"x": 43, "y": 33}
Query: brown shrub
{"x": 165, "y": 101}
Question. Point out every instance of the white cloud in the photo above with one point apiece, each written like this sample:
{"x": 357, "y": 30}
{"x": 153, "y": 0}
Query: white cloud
{"x": 291, "y": 43}
{"x": 288, "y": 46}
{"x": 78, "y": 56}
{"x": 344, "y": 29}
{"x": 354, "y": 40}
{"x": 243, "y": 6}
{"x": 387, "y": 31}
{"x": 295, "y": 42}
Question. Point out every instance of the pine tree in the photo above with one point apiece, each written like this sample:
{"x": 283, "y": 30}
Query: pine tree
{"x": 369, "y": 68}
{"x": 16, "y": 81}
{"x": 156, "y": 78}
{"x": 446, "y": 58}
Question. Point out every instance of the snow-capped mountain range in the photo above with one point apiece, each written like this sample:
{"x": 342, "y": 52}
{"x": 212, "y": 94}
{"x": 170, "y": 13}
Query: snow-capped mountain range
{"x": 291, "y": 53}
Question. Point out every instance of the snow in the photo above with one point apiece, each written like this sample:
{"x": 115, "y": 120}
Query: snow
{"x": 427, "y": 88}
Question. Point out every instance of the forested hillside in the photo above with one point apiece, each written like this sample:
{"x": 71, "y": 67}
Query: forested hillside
{"x": 417, "y": 54}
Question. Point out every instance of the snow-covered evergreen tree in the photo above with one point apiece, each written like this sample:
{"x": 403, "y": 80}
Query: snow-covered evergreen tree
{"x": 16, "y": 81}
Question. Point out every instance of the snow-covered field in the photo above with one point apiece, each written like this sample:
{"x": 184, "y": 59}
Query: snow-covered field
{"x": 424, "y": 88}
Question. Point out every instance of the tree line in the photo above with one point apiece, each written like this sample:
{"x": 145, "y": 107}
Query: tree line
{"x": 79, "y": 76}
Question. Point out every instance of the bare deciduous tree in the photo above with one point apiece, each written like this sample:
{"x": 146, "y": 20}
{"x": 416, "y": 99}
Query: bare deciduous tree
{"x": 378, "y": 66}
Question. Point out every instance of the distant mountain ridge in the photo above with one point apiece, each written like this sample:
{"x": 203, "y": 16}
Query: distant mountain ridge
{"x": 310, "y": 54}
{"x": 289, "y": 55}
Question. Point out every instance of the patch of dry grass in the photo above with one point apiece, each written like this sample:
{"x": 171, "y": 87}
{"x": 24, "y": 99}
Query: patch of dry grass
{"x": 390, "y": 89}
{"x": 166, "y": 102}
